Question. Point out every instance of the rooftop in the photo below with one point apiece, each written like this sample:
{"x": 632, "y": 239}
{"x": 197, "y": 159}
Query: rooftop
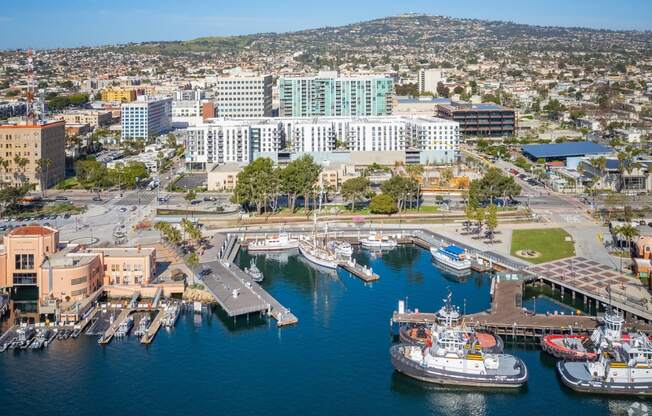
{"x": 567, "y": 149}
{"x": 123, "y": 251}
{"x": 32, "y": 230}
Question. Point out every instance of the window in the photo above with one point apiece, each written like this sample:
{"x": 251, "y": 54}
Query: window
{"x": 79, "y": 280}
{"x": 24, "y": 261}
{"x": 24, "y": 279}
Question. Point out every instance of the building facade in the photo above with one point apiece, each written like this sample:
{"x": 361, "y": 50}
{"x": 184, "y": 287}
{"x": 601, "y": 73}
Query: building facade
{"x": 122, "y": 95}
{"x": 34, "y": 257}
{"x": 429, "y": 79}
{"x": 480, "y": 119}
{"x": 328, "y": 95}
{"x": 93, "y": 118}
{"x": 22, "y": 146}
{"x": 221, "y": 141}
{"x": 146, "y": 117}
{"x": 244, "y": 96}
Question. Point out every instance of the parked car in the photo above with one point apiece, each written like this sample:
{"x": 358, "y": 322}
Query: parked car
{"x": 97, "y": 198}
{"x": 61, "y": 198}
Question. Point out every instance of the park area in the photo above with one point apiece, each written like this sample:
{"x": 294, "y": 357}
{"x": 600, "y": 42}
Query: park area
{"x": 543, "y": 245}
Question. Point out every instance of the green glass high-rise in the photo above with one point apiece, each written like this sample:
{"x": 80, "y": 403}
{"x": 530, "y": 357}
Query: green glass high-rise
{"x": 328, "y": 95}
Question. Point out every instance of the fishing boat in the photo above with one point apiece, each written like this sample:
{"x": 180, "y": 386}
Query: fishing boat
{"x": 280, "y": 242}
{"x": 41, "y": 339}
{"x": 449, "y": 314}
{"x": 622, "y": 370}
{"x": 580, "y": 347}
{"x": 340, "y": 248}
{"x": 317, "y": 255}
{"x": 254, "y": 272}
{"x": 378, "y": 241}
{"x": 124, "y": 327}
{"x": 452, "y": 257}
{"x": 451, "y": 358}
{"x": 142, "y": 326}
{"x": 24, "y": 336}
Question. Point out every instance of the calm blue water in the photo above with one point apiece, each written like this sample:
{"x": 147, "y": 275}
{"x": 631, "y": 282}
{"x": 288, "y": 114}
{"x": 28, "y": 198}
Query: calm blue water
{"x": 335, "y": 361}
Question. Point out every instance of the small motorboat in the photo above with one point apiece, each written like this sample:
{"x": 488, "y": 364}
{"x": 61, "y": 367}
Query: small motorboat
{"x": 254, "y": 272}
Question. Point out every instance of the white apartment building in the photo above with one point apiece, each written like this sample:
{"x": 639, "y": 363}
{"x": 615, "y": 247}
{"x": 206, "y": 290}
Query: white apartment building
{"x": 430, "y": 78}
{"x": 244, "y": 95}
{"x": 148, "y": 116}
{"x": 220, "y": 141}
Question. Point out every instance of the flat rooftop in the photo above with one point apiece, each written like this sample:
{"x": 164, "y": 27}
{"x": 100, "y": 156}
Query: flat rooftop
{"x": 567, "y": 149}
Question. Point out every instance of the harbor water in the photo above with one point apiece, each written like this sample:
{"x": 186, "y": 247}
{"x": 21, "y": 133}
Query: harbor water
{"x": 334, "y": 362}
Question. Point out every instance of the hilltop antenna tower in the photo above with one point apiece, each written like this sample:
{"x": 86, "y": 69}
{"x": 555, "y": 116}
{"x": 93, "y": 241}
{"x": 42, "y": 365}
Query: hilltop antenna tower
{"x": 31, "y": 114}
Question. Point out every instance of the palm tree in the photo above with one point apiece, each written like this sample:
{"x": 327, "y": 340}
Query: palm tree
{"x": 19, "y": 172}
{"x": 628, "y": 232}
{"x": 43, "y": 169}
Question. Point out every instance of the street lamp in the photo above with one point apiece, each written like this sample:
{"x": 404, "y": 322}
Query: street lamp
{"x": 534, "y": 307}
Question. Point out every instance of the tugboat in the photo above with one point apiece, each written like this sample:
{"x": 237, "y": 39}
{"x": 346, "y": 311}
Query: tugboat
{"x": 452, "y": 257}
{"x": 378, "y": 241}
{"x": 580, "y": 347}
{"x": 420, "y": 334}
{"x": 254, "y": 272}
{"x": 280, "y": 242}
{"x": 450, "y": 357}
{"x": 623, "y": 370}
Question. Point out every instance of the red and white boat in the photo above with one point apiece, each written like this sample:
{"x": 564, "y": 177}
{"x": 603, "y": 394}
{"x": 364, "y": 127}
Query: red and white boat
{"x": 582, "y": 347}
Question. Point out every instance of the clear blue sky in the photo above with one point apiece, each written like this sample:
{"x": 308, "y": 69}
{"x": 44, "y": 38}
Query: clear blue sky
{"x": 65, "y": 23}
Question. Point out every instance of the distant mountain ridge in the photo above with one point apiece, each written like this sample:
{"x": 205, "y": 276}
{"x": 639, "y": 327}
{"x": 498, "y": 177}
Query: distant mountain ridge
{"x": 415, "y": 32}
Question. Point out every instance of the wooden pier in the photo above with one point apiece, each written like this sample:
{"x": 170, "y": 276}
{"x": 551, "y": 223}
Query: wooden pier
{"x": 153, "y": 328}
{"x": 110, "y": 332}
{"x": 364, "y": 273}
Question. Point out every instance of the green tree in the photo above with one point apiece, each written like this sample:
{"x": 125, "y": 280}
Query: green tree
{"x": 43, "y": 169}
{"x": 492, "y": 220}
{"x": 299, "y": 177}
{"x": 494, "y": 184}
{"x": 355, "y": 189}
{"x": 383, "y": 204}
{"x": 257, "y": 184}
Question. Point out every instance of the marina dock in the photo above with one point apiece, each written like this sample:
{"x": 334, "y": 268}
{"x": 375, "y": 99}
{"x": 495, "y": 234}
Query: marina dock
{"x": 108, "y": 335}
{"x": 359, "y": 271}
{"x": 153, "y": 328}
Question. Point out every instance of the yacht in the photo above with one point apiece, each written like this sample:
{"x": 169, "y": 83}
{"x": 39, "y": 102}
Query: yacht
{"x": 41, "y": 339}
{"x": 280, "y": 242}
{"x": 125, "y": 327}
{"x": 317, "y": 255}
{"x": 451, "y": 357}
{"x": 24, "y": 336}
{"x": 142, "y": 326}
{"x": 622, "y": 370}
{"x": 340, "y": 248}
{"x": 451, "y": 256}
{"x": 378, "y": 241}
{"x": 171, "y": 312}
{"x": 254, "y": 272}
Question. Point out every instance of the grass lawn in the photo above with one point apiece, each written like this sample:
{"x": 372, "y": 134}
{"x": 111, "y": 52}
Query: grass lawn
{"x": 550, "y": 243}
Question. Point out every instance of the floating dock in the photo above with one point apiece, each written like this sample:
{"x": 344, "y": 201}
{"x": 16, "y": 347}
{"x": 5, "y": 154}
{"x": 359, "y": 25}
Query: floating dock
{"x": 153, "y": 328}
{"x": 359, "y": 271}
{"x": 108, "y": 335}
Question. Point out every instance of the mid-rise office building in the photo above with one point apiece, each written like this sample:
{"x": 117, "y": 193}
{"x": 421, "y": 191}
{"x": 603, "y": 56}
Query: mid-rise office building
{"x": 480, "y": 119}
{"x": 189, "y": 108}
{"x": 218, "y": 141}
{"x": 94, "y": 118}
{"x": 146, "y": 117}
{"x": 244, "y": 95}
{"x": 23, "y": 145}
{"x": 329, "y": 95}
{"x": 429, "y": 79}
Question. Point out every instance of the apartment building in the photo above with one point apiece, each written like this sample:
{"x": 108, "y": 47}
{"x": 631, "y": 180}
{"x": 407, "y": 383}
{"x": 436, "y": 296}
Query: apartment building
{"x": 219, "y": 141}
{"x": 329, "y": 95}
{"x": 189, "y": 108}
{"x": 22, "y": 146}
{"x": 244, "y": 95}
{"x": 122, "y": 95}
{"x": 146, "y": 117}
{"x": 93, "y": 118}
{"x": 33, "y": 256}
{"x": 480, "y": 119}
{"x": 429, "y": 79}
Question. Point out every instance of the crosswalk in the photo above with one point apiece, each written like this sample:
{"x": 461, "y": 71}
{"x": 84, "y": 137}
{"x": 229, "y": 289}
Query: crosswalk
{"x": 140, "y": 198}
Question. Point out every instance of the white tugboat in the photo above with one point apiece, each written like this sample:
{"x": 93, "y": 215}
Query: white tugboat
{"x": 378, "y": 241}
{"x": 622, "y": 370}
{"x": 254, "y": 272}
{"x": 450, "y": 357}
{"x": 451, "y": 256}
{"x": 280, "y": 242}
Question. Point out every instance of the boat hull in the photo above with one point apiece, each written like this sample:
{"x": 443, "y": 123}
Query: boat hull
{"x": 447, "y": 378}
{"x": 267, "y": 249}
{"x": 601, "y": 387}
{"x": 552, "y": 345}
{"x": 315, "y": 260}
